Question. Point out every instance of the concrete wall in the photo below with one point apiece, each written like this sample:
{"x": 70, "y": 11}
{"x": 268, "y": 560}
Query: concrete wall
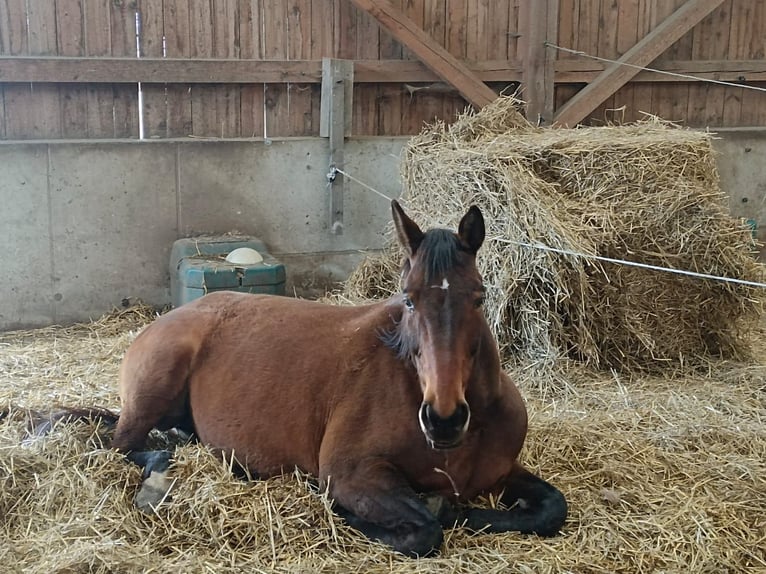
{"x": 89, "y": 225}
{"x": 742, "y": 167}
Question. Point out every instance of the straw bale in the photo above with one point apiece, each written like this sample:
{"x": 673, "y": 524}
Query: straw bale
{"x": 647, "y": 193}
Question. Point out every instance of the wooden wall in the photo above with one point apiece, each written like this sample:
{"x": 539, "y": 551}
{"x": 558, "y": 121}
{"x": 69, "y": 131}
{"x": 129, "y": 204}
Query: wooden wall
{"x": 736, "y": 31}
{"x": 476, "y": 31}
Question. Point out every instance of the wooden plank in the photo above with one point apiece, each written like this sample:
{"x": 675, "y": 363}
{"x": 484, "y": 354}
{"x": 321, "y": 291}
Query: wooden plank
{"x": 214, "y": 109}
{"x": 203, "y": 97}
{"x": 154, "y": 97}
{"x": 438, "y": 21}
{"x": 73, "y": 98}
{"x": 587, "y": 34}
{"x": 642, "y": 54}
{"x": 298, "y": 48}
{"x": 681, "y": 49}
{"x": 6, "y": 43}
{"x": 415, "y": 11}
{"x": 457, "y": 29}
{"x": 571, "y": 71}
{"x": 100, "y": 97}
{"x": 609, "y": 19}
{"x": 709, "y": 41}
{"x": 322, "y": 30}
{"x": 389, "y": 97}
{"x": 456, "y": 39}
{"x": 365, "y": 96}
{"x": 642, "y": 92}
{"x": 13, "y": 27}
{"x": 626, "y": 36}
{"x": 123, "y": 43}
{"x": 42, "y": 110}
{"x": 514, "y": 32}
{"x": 732, "y": 106}
{"x": 498, "y": 35}
{"x": 277, "y": 110}
{"x": 175, "y": 26}
{"x": 225, "y": 36}
{"x": 22, "y": 69}
{"x": 322, "y": 46}
{"x": 568, "y": 23}
{"x": 423, "y": 105}
{"x": 251, "y": 96}
{"x": 434, "y": 56}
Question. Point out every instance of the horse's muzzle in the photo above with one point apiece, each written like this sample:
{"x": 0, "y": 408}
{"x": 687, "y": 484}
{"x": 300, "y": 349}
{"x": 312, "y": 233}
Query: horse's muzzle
{"x": 444, "y": 433}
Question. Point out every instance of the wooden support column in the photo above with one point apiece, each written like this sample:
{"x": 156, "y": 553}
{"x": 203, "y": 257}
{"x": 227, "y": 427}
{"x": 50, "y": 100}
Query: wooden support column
{"x": 335, "y": 124}
{"x": 538, "y": 24}
{"x": 642, "y": 54}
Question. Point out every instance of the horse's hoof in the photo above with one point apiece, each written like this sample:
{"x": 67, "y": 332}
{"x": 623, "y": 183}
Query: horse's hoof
{"x": 154, "y": 490}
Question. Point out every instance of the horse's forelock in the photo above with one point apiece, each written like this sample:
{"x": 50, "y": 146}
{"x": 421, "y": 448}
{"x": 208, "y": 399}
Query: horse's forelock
{"x": 439, "y": 251}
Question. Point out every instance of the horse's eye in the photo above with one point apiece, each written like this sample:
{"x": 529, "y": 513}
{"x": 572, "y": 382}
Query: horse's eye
{"x": 478, "y": 302}
{"x": 408, "y": 303}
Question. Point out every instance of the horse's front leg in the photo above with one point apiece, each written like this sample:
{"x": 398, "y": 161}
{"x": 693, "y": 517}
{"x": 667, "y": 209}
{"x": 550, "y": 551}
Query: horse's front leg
{"x": 534, "y": 506}
{"x": 374, "y": 498}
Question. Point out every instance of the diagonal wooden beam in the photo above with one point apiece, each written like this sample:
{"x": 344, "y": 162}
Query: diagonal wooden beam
{"x": 430, "y": 52}
{"x": 642, "y": 54}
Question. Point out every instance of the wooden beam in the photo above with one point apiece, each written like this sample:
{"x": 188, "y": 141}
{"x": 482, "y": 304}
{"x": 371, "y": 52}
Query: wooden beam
{"x": 642, "y": 54}
{"x": 336, "y": 110}
{"x": 581, "y": 72}
{"x": 157, "y": 70}
{"x": 26, "y": 69}
{"x": 431, "y": 53}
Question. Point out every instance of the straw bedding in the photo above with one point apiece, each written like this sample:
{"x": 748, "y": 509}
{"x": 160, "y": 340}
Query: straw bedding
{"x": 663, "y": 474}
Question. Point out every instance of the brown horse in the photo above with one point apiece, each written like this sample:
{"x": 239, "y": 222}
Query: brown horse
{"x": 383, "y": 402}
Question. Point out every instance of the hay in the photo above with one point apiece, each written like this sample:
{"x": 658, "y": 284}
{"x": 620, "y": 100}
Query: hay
{"x": 662, "y": 475}
{"x": 647, "y": 193}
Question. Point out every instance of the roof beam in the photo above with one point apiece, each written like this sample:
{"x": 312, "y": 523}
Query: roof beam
{"x": 430, "y": 52}
{"x": 642, "y": 54}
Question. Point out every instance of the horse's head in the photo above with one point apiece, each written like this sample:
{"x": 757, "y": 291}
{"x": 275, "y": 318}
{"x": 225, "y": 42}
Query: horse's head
{"x": 442, "y": 327}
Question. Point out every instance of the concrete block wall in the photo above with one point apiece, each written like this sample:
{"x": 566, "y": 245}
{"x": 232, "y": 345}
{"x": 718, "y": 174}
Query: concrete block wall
{"x": 89, "y": 226}
{"x": 741, "y": 159}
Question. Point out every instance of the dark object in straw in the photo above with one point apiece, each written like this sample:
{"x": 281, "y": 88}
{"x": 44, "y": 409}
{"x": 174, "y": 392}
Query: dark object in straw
{"x": 647, "y": 192}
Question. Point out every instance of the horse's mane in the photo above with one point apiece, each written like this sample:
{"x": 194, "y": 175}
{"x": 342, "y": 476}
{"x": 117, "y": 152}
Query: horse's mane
{"x": 439, "y": 251}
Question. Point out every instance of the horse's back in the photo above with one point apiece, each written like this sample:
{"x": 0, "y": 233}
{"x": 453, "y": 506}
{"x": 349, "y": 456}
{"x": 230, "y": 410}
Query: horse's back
{"x": 258, "y": 373}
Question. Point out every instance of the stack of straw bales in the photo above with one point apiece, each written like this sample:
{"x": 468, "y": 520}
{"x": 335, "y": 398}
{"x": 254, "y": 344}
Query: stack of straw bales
{"x": 647, "y": 192}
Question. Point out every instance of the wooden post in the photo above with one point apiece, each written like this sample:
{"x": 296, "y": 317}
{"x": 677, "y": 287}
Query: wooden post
{"x": 538, "y": 22}
{"x": 335, "y": 124}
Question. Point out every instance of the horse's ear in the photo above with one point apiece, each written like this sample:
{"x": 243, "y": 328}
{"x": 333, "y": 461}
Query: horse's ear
{"x": 471, "y": 229}
{"x": 407, "y": 231}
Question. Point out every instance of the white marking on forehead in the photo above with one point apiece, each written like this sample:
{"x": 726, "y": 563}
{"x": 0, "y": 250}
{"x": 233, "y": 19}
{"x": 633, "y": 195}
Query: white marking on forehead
{"x": 444, "y": 286}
